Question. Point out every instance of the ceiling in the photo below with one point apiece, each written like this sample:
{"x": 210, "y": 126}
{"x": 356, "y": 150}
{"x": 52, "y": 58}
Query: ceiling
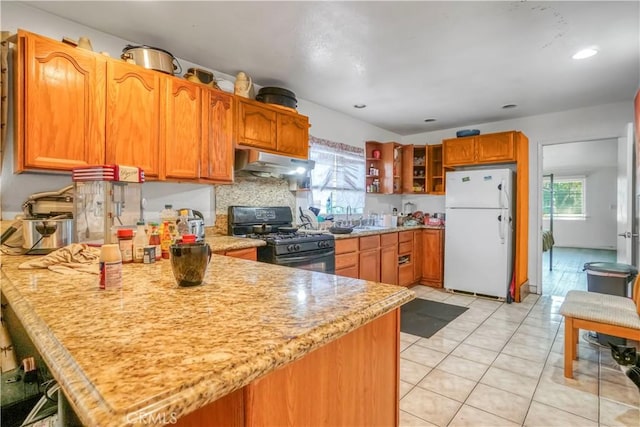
{"x": 456, "y": 62}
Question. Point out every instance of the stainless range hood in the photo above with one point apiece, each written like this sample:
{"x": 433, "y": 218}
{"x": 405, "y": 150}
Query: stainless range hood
{"x": 259, "y": 161}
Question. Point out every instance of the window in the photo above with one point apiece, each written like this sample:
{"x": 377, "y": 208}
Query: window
{"x": 337, "y": 181}
{"x": 568, "y": 197}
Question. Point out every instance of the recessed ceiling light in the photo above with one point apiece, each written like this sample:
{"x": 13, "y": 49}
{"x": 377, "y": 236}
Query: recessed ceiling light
{"x": 507, "y": 106}
{"x": 585, "y": 53}
{"x": 359, "y": 106}
{"x": 429, "y": 120}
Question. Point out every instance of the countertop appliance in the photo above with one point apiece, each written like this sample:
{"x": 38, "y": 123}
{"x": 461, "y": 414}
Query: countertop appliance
{"x": 315, "y": 252}
{"x": 479, "y": 238}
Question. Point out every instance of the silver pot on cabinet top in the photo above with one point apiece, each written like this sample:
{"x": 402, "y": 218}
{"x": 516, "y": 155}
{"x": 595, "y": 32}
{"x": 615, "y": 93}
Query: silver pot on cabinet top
{"x": 152, "y": 58}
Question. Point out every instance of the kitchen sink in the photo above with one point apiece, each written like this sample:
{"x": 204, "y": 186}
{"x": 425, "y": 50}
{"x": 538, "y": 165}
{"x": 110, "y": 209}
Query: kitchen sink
{"x": 370, "y": 228}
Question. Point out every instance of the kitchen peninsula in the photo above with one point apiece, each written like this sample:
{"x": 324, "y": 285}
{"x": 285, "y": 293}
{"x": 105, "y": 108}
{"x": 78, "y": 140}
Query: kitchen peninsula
{"x": 256, "y": 344}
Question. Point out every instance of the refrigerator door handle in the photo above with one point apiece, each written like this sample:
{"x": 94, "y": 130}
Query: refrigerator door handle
{"x": 502, "y": 220}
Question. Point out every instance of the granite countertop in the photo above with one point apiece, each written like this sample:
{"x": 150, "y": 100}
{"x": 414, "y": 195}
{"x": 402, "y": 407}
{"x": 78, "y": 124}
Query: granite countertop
{"x": 359, "y": 233}
{"x": 229, "y": 243}
{"x": 152, "y": 348}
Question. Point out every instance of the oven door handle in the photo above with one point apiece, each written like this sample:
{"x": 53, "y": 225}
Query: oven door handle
{"x": 303, "y": 258}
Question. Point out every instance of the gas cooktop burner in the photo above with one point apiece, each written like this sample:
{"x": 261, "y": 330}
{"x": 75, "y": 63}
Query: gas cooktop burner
{"x": 277, "y": 238}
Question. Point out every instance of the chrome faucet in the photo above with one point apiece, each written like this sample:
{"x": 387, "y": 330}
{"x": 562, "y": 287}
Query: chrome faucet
{"x": 348, "y": 214}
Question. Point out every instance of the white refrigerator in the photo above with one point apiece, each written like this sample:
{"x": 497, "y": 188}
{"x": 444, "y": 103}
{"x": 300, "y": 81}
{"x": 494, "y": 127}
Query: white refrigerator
{"x": 479, "y": 231}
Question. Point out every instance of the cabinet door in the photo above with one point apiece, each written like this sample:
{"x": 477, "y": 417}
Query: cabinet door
{"x": 249, "y": 253}
{"x": 458, "y": 151}
{"x": 495, "y": 147}
{"x": 60, "y": 105}
{"x": 256, "y": 126}
{"x": 134, "y": 97}
{"x": 417, "y": 255}
{"x": 432, "y": 266}
{"x": 407, "y": 170}
{"x": 217, "y": 155}
{"x": 369, "y": 267}
{"x": 389, "y": 264}
{"x": 182, "y": 130}
{"x": 293, "y": 135}
{"x": 435, "y": 170}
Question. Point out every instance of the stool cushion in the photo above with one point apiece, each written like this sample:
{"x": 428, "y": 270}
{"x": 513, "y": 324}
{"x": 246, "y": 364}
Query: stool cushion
{"x": 602, "y": 308}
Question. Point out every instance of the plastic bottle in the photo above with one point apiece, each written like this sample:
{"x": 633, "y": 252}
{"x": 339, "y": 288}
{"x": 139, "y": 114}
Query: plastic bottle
{"x": 170, "y": 215}
{"x": 165, "y": 240}
{"x": 183, "y": 222}
{"x": 125, "y": 242}
{"x": 154, "y": 239}
{"x": 110, "y": 267}
{"x": 139, "y": 242}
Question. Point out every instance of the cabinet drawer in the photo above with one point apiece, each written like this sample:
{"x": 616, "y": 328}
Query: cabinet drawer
{"x": 405, "y": 274}
{"x": 405, "y": 236}
{"x": 405, "y": 248}
{"x": 346, "y": 260}
{"x": 369, "y": 242}
{"x": 388, "y": 239}
{"x": 346, "y": 245}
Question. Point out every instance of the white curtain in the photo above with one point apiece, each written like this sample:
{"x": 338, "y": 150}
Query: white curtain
{"x": 337, "y": 181}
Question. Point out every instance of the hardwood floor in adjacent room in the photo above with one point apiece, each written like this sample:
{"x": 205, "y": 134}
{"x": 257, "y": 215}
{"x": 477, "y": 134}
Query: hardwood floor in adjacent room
{"x": 567, "y": 272}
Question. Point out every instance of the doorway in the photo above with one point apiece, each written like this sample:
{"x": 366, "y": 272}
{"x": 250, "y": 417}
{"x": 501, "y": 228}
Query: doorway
{"x": 579, "y": 211}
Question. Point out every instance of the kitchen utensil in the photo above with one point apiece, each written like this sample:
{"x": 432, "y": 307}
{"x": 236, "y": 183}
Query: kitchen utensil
{"x": 277, "y": 95}
{"x": 340, "y": 230}
{"x": 41, "y": 236}
{"x": 189, "y": 262}
{"x": 152, "y": 58}
{"x": 467, "y": 132}
{"x": 198, "y": 75}
{"x": 309, "y": 219}
{"x": 287, "y": 229}
{"x": 316, "y": 211}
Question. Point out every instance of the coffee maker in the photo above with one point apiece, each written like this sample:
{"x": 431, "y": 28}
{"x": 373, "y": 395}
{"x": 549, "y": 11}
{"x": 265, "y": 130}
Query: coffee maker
{"x": 106, "y": 198}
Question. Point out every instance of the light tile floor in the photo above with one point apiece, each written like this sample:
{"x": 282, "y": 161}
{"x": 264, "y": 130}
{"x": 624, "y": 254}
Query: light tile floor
{"x": 501, "y": 364}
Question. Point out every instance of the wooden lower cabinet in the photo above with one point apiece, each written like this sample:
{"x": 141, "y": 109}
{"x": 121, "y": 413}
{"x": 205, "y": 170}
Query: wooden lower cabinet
{"x": 406, "y": 258}
{"x": 369, "y": 258}
{"x": 432, "y": 257}
{"x": 417, "y": 255}
{"x": 353, "y": 380}
{"x": 347, "y": 259}
{"x": 248, "y": 253}
{"x": 389, "y": 258}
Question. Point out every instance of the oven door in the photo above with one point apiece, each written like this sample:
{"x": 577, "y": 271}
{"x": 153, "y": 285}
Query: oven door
{"x": 322, "y": 261}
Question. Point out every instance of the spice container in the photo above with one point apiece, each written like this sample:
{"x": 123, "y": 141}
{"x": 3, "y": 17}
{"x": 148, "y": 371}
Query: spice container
{"x": 125, "y": 243}
{"x": 110, "y": 267}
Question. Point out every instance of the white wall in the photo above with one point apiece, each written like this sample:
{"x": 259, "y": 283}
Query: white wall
{"x": 326, "y": 124}
{"x": 585, "y": 124}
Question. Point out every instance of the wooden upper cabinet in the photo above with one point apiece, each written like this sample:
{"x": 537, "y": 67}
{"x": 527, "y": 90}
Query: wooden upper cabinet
{"x": 271, "y": 128}
{"x": 256, "y": 125}
{"x": 495, "y": 147}
{"x": 217, "y": 145}
{"x": 134, "y": 96}
{"x": 459, "y": 151}
{"x": 490, "y": 148}
{"x": 293, "y": 135}
{"x": 182, "y": 130}
{"x": 59, "y": 99}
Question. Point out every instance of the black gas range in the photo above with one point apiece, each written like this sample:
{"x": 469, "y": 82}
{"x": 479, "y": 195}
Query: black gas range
{"x": 284, "y": 245}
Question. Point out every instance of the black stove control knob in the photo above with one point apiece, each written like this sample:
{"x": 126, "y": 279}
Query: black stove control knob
{"x": 291, "y": 248}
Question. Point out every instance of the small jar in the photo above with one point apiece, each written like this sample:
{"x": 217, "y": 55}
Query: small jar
{"x": 110, "y": 267}
{"x": 125, "y": 242}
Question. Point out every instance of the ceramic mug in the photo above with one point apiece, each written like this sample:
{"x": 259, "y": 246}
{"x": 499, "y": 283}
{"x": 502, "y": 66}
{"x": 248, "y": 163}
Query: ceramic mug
{"x": 189, "y": 262}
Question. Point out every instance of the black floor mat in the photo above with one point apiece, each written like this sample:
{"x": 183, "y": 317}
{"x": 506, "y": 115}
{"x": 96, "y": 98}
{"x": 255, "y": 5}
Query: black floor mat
{"x": 425, "y": 317}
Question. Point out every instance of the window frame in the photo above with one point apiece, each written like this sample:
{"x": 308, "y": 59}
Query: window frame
{"x": 564, "y": 216}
